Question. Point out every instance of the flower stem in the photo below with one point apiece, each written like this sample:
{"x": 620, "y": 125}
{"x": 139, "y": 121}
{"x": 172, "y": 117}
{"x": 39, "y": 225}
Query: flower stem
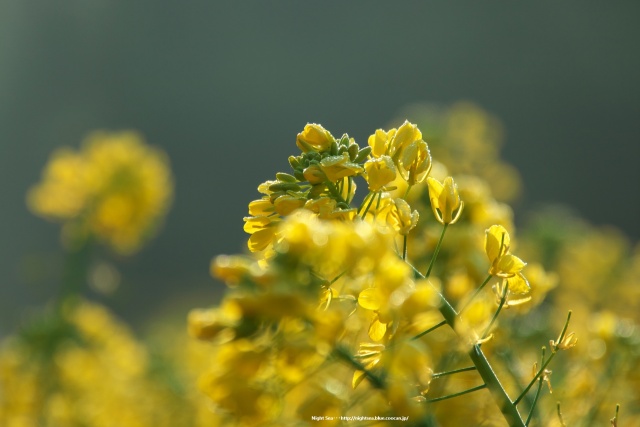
{"x": 500, "y": 396}
{"x": 404, "y": 248}
{"x": 343, "y": 354}
{"x": 437, "y": 250}
{"x": 475, "y": 294}
{"x": 535, "y": 401}
{"x": 373, "y": 196}
{"x": 503, "y": 299}
{"x": 406, "y": 193}
{"x": 455, "y": 371}
{"x": 433, "y": 328}
{"x": 533, "y": 381}
{"x": 335, "y": 193}
{"x": 460, "y": 393}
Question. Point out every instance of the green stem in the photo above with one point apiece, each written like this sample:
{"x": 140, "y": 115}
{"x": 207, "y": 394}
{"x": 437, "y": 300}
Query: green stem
{"x": 349, "y": 190}
{"x": 533, "y": 381}
{"x": 460, "y": 393}
{"x": 560, "y": 417}
{"x": 373, "y": 196}
{"x": 475, "y": 294}
{"x": 535, "y": 401}
{"x": 75, "y": 271}
{"x": 503, "y": 299}
{"x": 344, "y": 355}
{"x": 435, "y": 253}
{"x": 404, "y": 248}
{"x": 433, "y": 328}
{"x": 554, "y": 351}
{"x": 455, "y": 371}
{"x": 334, "y": 192}
{"x": 500, "y": 396}
{"x": 406, "y": 193}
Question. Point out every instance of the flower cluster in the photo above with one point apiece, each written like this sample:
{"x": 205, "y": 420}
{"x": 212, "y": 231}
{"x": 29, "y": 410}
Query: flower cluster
{"x": 329, "y": 290}
{"x": 116, "y": 190}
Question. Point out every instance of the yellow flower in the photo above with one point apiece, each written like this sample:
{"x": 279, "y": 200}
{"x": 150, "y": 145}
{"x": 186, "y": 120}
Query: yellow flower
{"x": 379, "y": 142}
{"x": 503, "y": 263}
{"x": 338, "y": 167}
{"x": 262, "y": 230}
{"x": 116, "y": 189}
{"x": 414, "y": 162}
{"x": 379, "y": 171}
{"x": 445, "y": 200}
{"x": 406, "y": 134}
{"x": 400, "y": 217}
{"x": 314, "y": 138}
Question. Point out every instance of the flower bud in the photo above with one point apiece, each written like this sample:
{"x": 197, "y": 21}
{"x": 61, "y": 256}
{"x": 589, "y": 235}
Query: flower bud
{"x": 414, "y": 162}
{"x": 445, "y": 200}
{"x": 314, "y": 138}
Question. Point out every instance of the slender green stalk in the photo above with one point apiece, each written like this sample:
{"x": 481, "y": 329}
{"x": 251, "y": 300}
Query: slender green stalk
{"x": 404, "y": 248}
{"x": 614, "y": 420}
{"x": 334, "y": 192}
{"x": 554, "y": 351}
{"x": 76, "y": 268}
{"x": 437, "y": 250}
{"x": 460, "y": 393}
{"x": 455, "y": 371}
{"x": 375, "y": 380}
{"x": 373, "y": 196}
{"x": 433, "y": 328}
{"x": 535, "y": 401}
{"x": 503, "y": 299}
{"x": 533, "y": 381}
{"x": 560, "y": 417}
{"x": 475, "y": 294}
{"x": 500, "y": 396}
{"x": 349, "y": 185}
{"x": 406, "y": 193}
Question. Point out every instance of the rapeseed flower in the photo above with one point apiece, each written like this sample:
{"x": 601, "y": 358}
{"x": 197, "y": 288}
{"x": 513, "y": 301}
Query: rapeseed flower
{"x": 115, "y": 189}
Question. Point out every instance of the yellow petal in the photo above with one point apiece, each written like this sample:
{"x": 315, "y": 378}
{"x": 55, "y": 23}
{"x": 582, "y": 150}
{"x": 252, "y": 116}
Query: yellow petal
{"x": 518, "y": 284}
{"x": 377, "y": 330}
{"x": 260, "y": 239}
{"x": 496, "y": 240}
{"x": 509, "y": 265}
{"x": 370, "y": 298}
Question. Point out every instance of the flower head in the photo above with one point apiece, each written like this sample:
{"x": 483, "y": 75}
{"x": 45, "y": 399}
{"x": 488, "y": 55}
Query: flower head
{"x": 314, "y": 138}
{"x": 445, "y": 200}
{"x": 503, "y": 263}
{"x": 116, "y": 189}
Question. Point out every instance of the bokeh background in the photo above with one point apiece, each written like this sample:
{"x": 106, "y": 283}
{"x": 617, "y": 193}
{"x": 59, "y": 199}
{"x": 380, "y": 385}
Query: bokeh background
{"x": 223, "y": 88}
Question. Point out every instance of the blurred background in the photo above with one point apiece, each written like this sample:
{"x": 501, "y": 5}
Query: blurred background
{"x": 224, "y": 88}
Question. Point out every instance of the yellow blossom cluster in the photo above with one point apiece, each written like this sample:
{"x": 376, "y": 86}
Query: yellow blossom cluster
{"x": 87, "y": 369}
{"x": 288, "y": 330}
{"x": 115, "y": 189}
{"x": 331, "y": 317}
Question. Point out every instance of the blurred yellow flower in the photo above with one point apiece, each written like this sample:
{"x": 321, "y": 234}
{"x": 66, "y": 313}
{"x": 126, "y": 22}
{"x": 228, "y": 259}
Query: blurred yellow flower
{"x": 116, "y": 189}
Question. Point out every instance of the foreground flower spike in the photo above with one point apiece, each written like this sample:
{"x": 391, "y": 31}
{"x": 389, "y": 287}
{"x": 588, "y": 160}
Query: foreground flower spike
{"x": 445, "y": 200}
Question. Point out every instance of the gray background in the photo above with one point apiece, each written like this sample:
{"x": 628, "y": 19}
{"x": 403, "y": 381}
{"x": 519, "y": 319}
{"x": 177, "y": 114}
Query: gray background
{"x": 225, "y": 87}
